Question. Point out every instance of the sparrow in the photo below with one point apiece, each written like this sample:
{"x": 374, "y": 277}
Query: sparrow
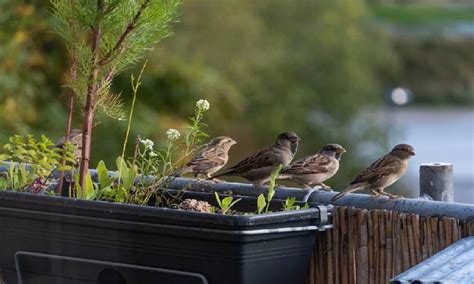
{"x": 75, "y": 138}
{"x": 209, "y": 160}
{"x": 382, "y": 173}
{"x": 258, "y": 167}
{"x": 315, "y": 169}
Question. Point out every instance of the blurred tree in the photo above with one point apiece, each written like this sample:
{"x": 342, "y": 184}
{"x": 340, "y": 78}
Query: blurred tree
{"x": 265, "y": 66}
{"x": 445, "y": 75}
{"x": 309, "y": 67}
{"x": 31, "y": 73}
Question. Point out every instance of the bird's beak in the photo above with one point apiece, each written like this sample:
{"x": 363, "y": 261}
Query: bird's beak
{"x": 412, "y": 153}
{"x": 342, "y": 150}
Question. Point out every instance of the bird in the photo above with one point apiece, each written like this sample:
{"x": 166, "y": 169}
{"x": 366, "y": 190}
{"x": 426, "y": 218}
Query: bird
{"x": 75, "y": 138}
{"x": 314, "y": 169}
{"x": 382, "y": 173}
{"x": 258, "y": 167}
{"x": 209, "y": 160}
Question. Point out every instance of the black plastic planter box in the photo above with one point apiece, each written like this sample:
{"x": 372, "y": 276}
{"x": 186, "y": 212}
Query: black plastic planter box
{"x": 61, "y": 240}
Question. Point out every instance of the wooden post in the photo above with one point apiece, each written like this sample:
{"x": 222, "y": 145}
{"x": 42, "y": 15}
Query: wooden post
{"x": 436, "y": 181}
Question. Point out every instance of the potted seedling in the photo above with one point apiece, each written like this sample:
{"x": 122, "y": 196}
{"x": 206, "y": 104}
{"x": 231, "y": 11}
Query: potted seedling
{"x": 139, "y": 223}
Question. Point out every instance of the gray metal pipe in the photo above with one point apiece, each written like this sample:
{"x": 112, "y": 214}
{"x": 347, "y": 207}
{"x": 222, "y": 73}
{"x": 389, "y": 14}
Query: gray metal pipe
{"x": 421, "y": 207}
{"x": 461, "y": 211}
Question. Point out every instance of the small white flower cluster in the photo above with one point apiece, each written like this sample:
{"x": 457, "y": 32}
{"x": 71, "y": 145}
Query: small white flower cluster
{"x": 203, "y": 105}
{"x": 147, "y": 143}
{"x": 173, "y": 134}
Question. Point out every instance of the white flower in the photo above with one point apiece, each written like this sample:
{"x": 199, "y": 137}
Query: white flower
{"x": 173, "y": 134}
{"x": 147, "y": 143}
{"x": 152, "y": 154}
{"x": 202, "y": 105}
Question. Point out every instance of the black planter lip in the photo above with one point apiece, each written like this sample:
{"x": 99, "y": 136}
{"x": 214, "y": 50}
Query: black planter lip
{"x": 66, "y": 205}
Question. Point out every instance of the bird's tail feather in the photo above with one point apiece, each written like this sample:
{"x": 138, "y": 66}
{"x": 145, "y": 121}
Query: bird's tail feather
{"x": 181, "y": 172}
{"x": 346, "y": 191}
{"x": 221, "y": 174}
{"x": 283, "y": 176}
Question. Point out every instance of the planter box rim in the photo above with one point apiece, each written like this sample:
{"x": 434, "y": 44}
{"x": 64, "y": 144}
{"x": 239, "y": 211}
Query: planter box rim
{"x": 66, "y": 205}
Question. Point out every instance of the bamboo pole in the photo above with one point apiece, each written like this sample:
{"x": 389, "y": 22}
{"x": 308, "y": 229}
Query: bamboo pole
{"x": 370, "y": 231}
{"x": 404, "y": 243}
{"x": 397, "y": 255}
{"x": 381, "y": 231}
{"x": 425, "y": 235}
{"x": 415, "y": 221}
{"x": 362, "y": 251}
{"x": 351, "y": 237}
{"x": 411, "y": 241}
{"x": 336, "y": 245}
{"x": 329, "y": 253}
{"x": 434, "y": 234}
{"x": 375, "y": 222}
{"x": 388, "y": 244}
{"x": 344, "y": 243}
{"x": 441, "y": 235}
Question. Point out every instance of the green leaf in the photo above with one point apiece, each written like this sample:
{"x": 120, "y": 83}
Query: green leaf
{"x": 11, "y": 174}
{"x": 23, "y": 174}
{"x": 64, "y": 168}
{"x": 103, "y": 175}
{"x": 89, "y": 191}
{"x": 261, "y": 203}
{"x": 4, "y": 157}
{"x": 89, "y": 187}
{"x": 219, "y": 202}
{"x": 227, "y": 201}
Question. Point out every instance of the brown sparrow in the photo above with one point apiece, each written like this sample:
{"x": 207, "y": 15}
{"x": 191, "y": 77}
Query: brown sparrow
{"x": 382, "y": 173}
{"x": 258, "y": 167}
{"x": 315, "y": 169}
{"x": 75, "y": 138}
{"x": 209, "y": 160}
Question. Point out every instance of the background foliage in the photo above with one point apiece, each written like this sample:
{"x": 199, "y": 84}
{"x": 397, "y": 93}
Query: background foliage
{"x": 265, "y": 66}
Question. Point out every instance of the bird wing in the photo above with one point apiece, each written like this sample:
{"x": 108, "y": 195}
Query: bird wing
{"x": 382, "y": 167}
{"x": 209, "y": 157}
{"x": 309, "y": 165}
{"x": 266, "y": 157}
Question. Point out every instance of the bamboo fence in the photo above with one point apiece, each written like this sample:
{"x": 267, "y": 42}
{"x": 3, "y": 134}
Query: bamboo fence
{"x": 373, "y": 246}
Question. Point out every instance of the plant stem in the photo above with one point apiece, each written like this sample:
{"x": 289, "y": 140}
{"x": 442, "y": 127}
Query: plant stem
{"x": 70, "y": 109}
{"x": 135, "y": 85}
{"x": 91, "y": 98}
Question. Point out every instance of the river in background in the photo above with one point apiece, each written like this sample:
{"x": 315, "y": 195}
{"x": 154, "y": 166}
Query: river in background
{"x": 438, "y": 135}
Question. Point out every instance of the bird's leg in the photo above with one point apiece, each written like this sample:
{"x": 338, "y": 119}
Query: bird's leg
{"x": 197, "y": 177}
{"x": 325, "y": 187}
{"x": 216, "y": 180}
{"x": 391, "y": 196}
{"x": 306, "y": 186}
{"x": 375, "y": 193}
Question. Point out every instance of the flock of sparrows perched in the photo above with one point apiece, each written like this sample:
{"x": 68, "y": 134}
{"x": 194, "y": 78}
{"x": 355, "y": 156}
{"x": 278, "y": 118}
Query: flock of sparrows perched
{"x": 309, "y": 171}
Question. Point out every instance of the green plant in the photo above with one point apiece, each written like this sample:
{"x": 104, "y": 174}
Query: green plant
{"x": 290, "y": 204}
{"x": 104, "y": 37}
{"x": 156, "y": 167}
{"x": 262, "y": 202}
{"x": 139, "y": 177}
{"x": 33, "y": 161}
{"x": 226, "y": 203}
